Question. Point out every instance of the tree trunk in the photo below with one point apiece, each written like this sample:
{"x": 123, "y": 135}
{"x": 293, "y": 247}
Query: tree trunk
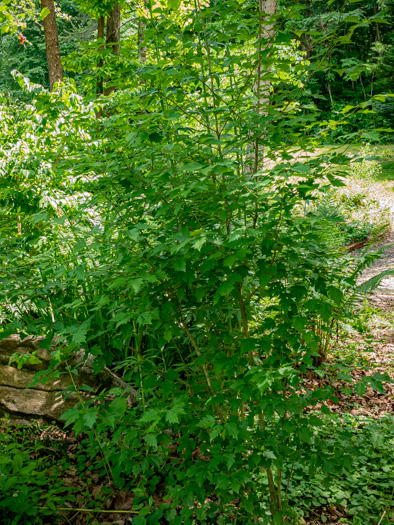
{"x": 113, "y": 37}
{"x": 113, "y": 29}
{"x": 330, "y": 92}
{"x": 100, "y": 36}
{"x": 377, "y": 26}
{"x": 262, "y": 86}
{"x": 141, "y": 38}
{"x": 55, "y": 68}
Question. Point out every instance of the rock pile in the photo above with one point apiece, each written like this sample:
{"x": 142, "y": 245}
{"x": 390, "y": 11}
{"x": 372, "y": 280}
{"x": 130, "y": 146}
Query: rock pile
{"x": 45, "y": 399}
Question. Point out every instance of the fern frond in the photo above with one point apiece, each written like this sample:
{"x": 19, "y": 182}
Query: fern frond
{"x": 372, "y": 283}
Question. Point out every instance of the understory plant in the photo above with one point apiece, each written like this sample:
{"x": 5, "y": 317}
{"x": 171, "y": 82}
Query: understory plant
{"x": 351, "y": 218}
{"x": 366, "y": 168}
{"x": 363, "y": 492}
{"x": 166, "y": 230}
{"x": 31, "y": 488}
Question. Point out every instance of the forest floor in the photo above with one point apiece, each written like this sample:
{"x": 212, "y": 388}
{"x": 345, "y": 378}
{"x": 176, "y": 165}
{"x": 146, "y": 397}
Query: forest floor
{"x": 369, "y": 345}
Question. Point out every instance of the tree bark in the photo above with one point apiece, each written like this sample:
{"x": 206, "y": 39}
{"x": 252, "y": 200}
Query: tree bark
{"x": 262, "y": 86}
{"x": 100, "y": 36}
{"x": 113, "y": 37}
{"x": 113, "y": 29}
{"x": 55, "y": 68}
{"x": 377, "y": 26}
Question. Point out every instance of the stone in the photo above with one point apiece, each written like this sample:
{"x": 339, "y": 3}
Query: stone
{"x": 35, "y": 403}
{"x": 12, "y": 377}
{"x": 14, "y": 344}
{"x": 45, "y": 399}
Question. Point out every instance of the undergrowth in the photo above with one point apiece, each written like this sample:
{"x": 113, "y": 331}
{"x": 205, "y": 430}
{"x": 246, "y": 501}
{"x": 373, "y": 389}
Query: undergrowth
{"x": 31, "y": 484}
{"x": 364, "y": 491}
{"x": 177, "y": 232}
{"x": 352, "y": 217}
{"x": 33, "y": 478}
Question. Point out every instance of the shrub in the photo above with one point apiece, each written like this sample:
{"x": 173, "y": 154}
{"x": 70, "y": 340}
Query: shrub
{"x": 168, "y": 237}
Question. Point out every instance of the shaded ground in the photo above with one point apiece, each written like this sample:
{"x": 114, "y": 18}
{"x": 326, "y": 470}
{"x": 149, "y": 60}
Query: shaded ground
{"x": 372, "y": 345}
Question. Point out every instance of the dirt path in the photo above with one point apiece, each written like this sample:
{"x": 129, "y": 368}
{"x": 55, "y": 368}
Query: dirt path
{"x": 383, "y": 297}
{"x": 376, "y": 352}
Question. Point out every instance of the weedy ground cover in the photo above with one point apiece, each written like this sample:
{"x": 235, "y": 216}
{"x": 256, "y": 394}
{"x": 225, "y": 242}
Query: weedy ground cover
{"x": 31, "y": 484}
{"x": 364, "y": 492}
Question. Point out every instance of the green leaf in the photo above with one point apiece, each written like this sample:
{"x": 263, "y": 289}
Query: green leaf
{"x": 215, "y": 431}
{"x": 230, "y": 461}
{"x": 136, "y": 284}
{"x": 79, "y": 332}
{"x": 360, "y": 389}
{"x": 151, "y": 415}
{"x": 371, "y": 135}
{"x": 352, "y": 18}
{"x": 199, "y": 243}
{"x": 299, "y": 323}
{"x": 44, "y": 13}
{"x": 118, "y": 407}
{"x": 192, "y": 166}
{"x": 232, "y": 430}
{"x": 207, "y": 421}
{"x": 173, "y": 414}
{"x": 151, "y": 440}
{"x": 336, "y": 294}
{"x": 299, "y": 167}
{"x": 377, "y": 438}
{"x": 180, "y": 265}
{"x": 269, "y": 454}
{"x": 346, "y": 109}
{"x": 372, "y": 283}
{"x": 247, "y": 345}
{"x": 174, "y": 4}
{"x": 89, "y": 418}
{"x": 80, "y": 273}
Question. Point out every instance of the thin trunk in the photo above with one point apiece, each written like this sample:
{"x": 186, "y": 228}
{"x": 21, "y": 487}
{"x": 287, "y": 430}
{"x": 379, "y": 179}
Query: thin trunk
{"x": 262, "y": 86}
{"x": 100, "y": 36}
{"x": 113, "y": 37}
{"x": 55, "y": 68}
{"x": 373, "y": 114}
{"x": 274, "y": 491}
{"x": 141, "y": 38}
{"x": 378, "y": 34}
{"x": 330, "y": 92}
{"x": 362, "y": 86}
